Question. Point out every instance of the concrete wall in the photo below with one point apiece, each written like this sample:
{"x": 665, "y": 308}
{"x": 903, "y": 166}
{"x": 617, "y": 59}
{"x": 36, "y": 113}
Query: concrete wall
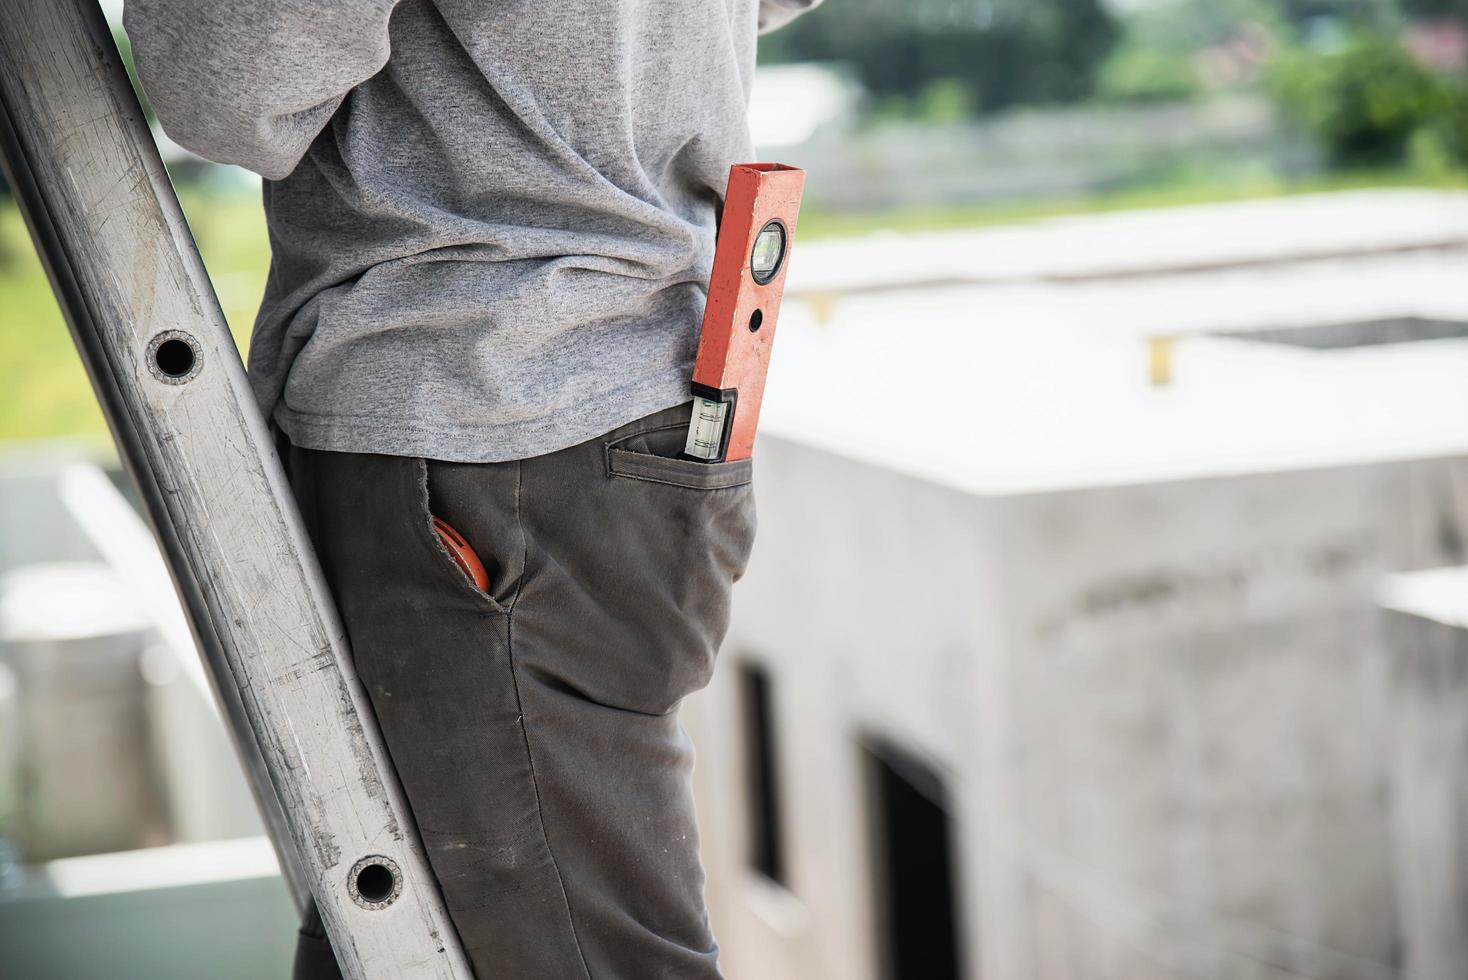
{"x": 1163, "y": 711}
{"x": 850, "y": 600}
{"x": 1430, "y": 771}
{"x": 215, "y": 910}
{"x": 1199, "y": 747}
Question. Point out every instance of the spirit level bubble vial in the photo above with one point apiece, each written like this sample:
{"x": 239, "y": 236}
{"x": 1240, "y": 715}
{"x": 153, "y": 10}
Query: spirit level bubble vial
{"x": 751, "y": 258}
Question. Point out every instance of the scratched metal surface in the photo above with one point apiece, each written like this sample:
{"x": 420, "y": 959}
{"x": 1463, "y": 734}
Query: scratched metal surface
{"x": 114, "y": 240}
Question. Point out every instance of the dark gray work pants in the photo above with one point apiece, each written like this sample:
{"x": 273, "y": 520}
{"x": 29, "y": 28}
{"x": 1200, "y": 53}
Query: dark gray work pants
{"x": 534, "y": 729}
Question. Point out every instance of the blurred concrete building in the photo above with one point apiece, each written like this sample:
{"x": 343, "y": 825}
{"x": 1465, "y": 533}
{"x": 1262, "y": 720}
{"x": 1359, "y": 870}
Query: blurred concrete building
{"x": 1427, "y": 628}
{"x": 129, "y": 844}
{"x": 1059, "y": 656}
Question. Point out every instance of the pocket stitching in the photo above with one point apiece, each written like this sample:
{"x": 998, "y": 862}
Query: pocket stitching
{"x": 644, "y": 466}
{"x": 628, "y": 437}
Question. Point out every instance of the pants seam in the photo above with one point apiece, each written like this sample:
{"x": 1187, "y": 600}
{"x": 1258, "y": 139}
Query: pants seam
{"x": 524, "y": 721}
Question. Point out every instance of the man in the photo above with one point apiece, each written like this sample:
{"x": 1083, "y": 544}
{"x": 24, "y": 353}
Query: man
{"x": 492, "y": 223}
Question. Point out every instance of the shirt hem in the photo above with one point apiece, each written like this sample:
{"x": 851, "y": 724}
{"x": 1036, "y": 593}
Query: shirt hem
{"x": 457, "y": 443}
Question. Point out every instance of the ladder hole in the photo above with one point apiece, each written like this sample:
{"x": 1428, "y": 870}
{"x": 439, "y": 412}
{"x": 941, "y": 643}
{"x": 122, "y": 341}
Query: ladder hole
{"x": 173, "y": 357}
{"x": 375, "y": 882}
{"x": 756, "y": 319}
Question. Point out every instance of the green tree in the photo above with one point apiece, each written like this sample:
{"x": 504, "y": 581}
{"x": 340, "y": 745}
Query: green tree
{"x": 1363, "y": 104}
{"x": 1142, "y": 73}
{"x": 1002, "y": 52}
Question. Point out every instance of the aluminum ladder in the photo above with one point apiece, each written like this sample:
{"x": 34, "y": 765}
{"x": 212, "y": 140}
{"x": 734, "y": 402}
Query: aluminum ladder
{"x": 81, "y": 162}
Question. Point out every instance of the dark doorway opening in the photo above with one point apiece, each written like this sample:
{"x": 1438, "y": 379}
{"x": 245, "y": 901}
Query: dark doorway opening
{"x": 761, "y": 773}
{"x": 912, "y": 835}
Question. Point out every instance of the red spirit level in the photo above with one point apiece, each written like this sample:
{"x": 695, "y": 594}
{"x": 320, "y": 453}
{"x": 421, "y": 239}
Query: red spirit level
{"x": 756, "y": 233}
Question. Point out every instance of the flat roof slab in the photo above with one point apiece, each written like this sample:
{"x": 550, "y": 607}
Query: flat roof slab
{"x": 1035, "y": 384}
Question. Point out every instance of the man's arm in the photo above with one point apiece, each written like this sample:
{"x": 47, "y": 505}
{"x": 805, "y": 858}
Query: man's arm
{"x": 777, "y": 13}
{"x": 253, "y": 82}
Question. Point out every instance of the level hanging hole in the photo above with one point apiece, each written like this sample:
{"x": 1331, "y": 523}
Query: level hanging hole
{"x": 173, "y": 357}
{"x": 375, "y": 882}
{"x": 756, "y": 319}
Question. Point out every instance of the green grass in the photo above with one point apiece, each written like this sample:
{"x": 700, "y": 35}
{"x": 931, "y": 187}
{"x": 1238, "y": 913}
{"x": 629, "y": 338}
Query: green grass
{"x": 44, "y": 392}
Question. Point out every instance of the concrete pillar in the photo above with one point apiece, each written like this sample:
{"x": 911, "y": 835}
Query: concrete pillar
{"x": 1426, "y": 623}
{"x": 73, "y": 639}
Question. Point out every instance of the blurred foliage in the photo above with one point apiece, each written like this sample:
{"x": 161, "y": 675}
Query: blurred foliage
{"x": 1188, "y": 26}
{"x": 1370, "y": 103}
{"x": 1440, "y": 145}
{"x": 999, "y": 53}
{"x": 1144, "y": 73}
{"x": 915, "y": 57}
{"x": 45, "y": 391}
{"x": 943, "y": 100}
{"x": 1436, "y": 8}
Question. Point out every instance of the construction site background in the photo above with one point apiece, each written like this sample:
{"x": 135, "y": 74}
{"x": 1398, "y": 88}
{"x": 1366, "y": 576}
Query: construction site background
{"x": 1133, "y": 644}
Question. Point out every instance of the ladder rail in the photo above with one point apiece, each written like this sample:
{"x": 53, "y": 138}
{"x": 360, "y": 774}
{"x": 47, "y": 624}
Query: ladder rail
{"x": 73, "y": 303}
{"x": 77, "y": 152}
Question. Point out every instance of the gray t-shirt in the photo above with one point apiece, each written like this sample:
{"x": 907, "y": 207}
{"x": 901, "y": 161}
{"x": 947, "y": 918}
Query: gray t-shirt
{"x": 492, "y": 221}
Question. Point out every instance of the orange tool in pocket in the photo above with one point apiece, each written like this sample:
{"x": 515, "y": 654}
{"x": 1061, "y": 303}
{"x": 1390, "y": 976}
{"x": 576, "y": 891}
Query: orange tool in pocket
{"x": 462, "y": 554}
